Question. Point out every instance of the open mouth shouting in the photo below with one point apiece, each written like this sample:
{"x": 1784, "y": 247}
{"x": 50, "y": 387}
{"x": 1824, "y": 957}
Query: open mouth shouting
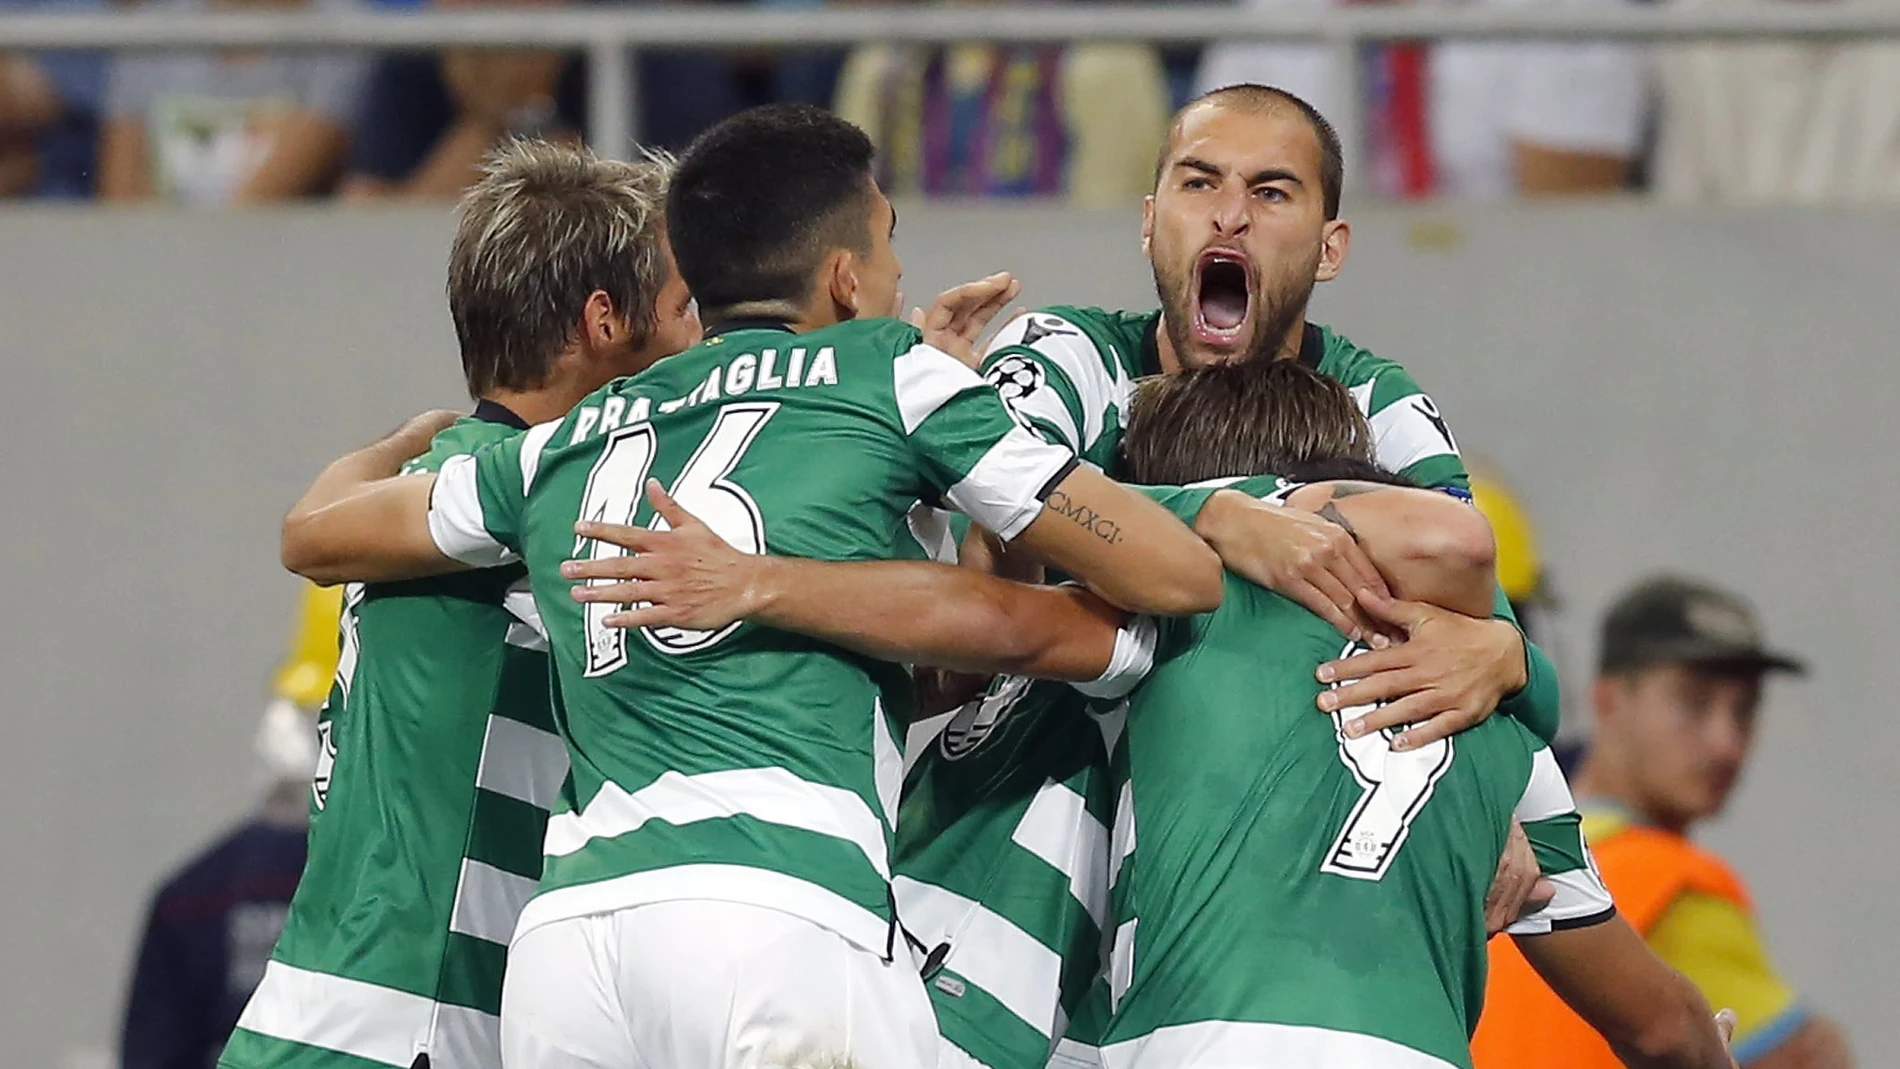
{"x": 1222, "y": 299}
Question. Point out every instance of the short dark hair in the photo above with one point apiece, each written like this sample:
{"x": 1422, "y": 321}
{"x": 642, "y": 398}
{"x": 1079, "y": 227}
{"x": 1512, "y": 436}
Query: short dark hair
{"x": 760, "y": 199}
{"x": 1332, "y": 159}
{"x": 1252, "y": 417}
{"x": 1345, "y": 469}
{"x": 545, "y": 227}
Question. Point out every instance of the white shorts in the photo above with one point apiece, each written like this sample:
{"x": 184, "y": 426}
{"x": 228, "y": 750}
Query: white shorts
{"x": 696, "y": 984}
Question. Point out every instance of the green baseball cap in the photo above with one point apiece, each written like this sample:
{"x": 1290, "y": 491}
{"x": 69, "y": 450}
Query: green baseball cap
{"x": 1669, "y": 619}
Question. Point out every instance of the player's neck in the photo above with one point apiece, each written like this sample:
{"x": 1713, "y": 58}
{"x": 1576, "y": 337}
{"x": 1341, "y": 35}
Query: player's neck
{"x": 1171, "y": 359}
{"x": 1601, "y": 779}
{"x": 539, "y": 406}
{"x": 797, "y": 318}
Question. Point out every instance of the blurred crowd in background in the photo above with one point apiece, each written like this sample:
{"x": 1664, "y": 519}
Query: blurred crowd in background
{"x": 1754, "y": 123}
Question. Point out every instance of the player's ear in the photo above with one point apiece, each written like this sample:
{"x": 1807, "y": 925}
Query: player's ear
{"x": 841, "y": 281}
{"x": 1607, "y": 695}
{"x": 1334, "y": 240}
{"x": 1147, "y": 224}
{"x": 601, "y": 325}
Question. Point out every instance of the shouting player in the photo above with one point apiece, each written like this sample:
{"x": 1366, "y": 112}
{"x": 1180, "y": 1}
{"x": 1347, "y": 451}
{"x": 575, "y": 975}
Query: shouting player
{"x": 1285, "y": 892}
{"x": 1244, "y": 220}
{"x": 716, "y": 885}
{"x": 439, "y": 753}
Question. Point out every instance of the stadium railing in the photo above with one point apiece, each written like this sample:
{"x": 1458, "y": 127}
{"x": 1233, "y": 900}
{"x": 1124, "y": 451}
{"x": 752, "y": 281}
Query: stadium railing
{"x": 613, "y": 37}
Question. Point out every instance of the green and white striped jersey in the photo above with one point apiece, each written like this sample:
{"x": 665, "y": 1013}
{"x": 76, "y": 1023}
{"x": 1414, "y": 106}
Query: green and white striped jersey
{"x": 1002, "y": 855}
{"x": 439, "y": 763}
{"x": 745, "y": 764}
{"x": 1284, "y": 895}
{"x": 1070, "y": 373}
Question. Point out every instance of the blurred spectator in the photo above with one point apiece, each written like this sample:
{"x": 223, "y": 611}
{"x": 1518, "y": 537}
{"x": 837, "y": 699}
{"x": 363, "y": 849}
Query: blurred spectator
{"x": 993, "y": 120}
{"x": 230, "y": 126}
{"x": 1471, "y": 119}
{"x": 1789, "y": 123}
{"x": 213, "y": 924}
{"x": 426, "y": 121}
{"x": 49, "y": 114}
{"x": 1678, "y": 686}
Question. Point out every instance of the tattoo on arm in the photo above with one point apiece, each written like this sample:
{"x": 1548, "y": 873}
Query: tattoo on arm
{"x": 1330, "y": 512}
{"x": 1087, "y": 518}
{"x": 1346, "y": 488}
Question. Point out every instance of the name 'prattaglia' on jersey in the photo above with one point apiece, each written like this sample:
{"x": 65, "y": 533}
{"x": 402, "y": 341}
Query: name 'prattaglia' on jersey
{"x": 745, "y": 373}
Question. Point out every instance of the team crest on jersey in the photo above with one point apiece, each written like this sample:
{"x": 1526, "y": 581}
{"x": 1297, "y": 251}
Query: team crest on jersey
{"x": 970, "y": 725}
{"x": 326, "y": 761}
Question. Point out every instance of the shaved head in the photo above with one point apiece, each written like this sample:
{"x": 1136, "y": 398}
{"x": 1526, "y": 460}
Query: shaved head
{"x": 1266, "y": 100}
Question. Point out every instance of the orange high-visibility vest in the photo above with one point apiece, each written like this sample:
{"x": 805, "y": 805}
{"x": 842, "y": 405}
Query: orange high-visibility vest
{"x": 1525, "y": 1025}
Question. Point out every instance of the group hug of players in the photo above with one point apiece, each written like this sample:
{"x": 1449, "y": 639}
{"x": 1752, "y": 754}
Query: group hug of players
{"x": 625, "y": 765}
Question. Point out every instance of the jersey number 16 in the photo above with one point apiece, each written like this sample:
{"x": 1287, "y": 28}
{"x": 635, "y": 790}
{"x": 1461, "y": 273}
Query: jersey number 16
{"x": 616, "y": 488}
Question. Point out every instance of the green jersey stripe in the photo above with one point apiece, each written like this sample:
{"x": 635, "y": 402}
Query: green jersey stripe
{"x": 1058, "y": 828}
{"x": 977, "y": 1032}
{"x": 522, "y": 762}
{"x": 253, "y": 1050}
{"x": 375, "y": 1023}
{"x": 1245, "y": 1044}
{"x": 1007, "y": 963}
{"x": 487, "y": 901}
{"x": 773, "y": 795}
{"x": 469, "y": 966}
{"x": 506, "y": 833}
{"x": 744, "y": 884}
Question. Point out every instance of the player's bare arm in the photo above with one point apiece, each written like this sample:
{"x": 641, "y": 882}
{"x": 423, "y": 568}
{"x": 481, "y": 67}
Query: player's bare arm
{"x": 1127, "y": 548}
{"x": 911, "y": 611}
{"x": 360, "y": 521}
{"x": 1456, "y": 663}
{"x": 1650, "y": 1014}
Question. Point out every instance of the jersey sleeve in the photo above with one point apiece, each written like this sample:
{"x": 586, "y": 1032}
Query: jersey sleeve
{"x": 476, "y": 507}
{"x": 967, "y": 448}
{"x": 1555, "y": 829}
{"x": 1056, "y": 381}
{"x": 1409, "y": 435}
{"x": 1716, "y": 944}
{"x": 1539, "y": 705}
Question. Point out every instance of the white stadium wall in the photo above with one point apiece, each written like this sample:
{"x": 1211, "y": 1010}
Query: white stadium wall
{"x": 1707, "y": 391}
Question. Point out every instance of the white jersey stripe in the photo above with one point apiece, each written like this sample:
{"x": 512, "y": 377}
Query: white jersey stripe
{"x": 1122, "y": 842}
{"x": 464, "y": 1039}
{"x": 488, "y": 901}
{"x": 455, "y": 518}
{"x": 1246, "y": 1044}
{"x": 522, "y": 762}
{"x": 531, "y": 447}
{"x": 1057, "y": 828}
{"x": 925, "y": 379}
{"x": 1547, "y": 794}
{"x": 377, "y": 1024}
{"x": 1580, "y": 894}
{"x": 1407, "y": 431}
{"x": 717, "y": 883}
{"x": 888, "y": 765}
{"x": 988, "y": 951}
{"x": 774, "y": 795}
{"x": 1002, "y": 491}
{"x": 1121, "y": 962}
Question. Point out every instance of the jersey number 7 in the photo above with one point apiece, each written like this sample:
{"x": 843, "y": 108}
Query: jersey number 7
{"x": 1396, "y": 787}
{"x": 616, "y": 488}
